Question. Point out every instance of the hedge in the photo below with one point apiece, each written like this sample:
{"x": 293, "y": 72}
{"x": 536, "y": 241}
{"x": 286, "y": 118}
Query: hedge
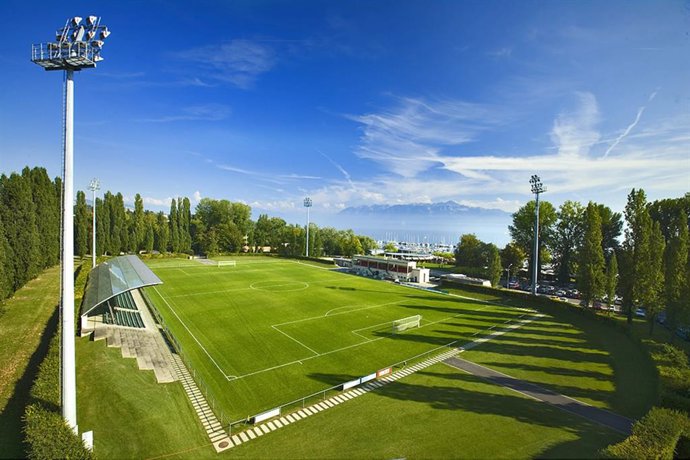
{"x": 654, "y": 436}
{"x": 47, "y": 434}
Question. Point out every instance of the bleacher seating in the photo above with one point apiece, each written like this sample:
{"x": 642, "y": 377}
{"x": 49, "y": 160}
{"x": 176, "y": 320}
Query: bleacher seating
{"x": 125, "y": 312}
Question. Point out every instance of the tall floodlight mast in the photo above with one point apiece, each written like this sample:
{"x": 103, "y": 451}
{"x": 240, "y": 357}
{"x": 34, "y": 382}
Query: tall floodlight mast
{"x": 77, "y": 46}
{"x": 537, "y": 188}
{"x": 307, "y": 204}
{"x": 93, "y": 186}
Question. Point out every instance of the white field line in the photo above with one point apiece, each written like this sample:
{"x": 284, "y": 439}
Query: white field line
{"x": 231, "y": 378}
{"x": 209, "y": 292}
{"x": 292, "y": 338}
{"x": 358, "y": 309}
{"x": 313, "y": 266}
{"x": 190, "y": 333}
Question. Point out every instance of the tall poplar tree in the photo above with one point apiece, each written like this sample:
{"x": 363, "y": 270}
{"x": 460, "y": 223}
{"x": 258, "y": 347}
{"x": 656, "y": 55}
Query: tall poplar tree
{"x": 611, "y": 279}
{"x": 185, "y": 216}
{"x": 6, "y": 269}
{"x": 162, "y": 235}
{"x": 174, "y": 227}
{"x": 591, "y": 268}
{"x": 138, "y": 224}
{"x": 653, "y": 297}
{"x": 47, "y": 216}
{"x": 676, "y": 273}
{"x": 634, "y": 279}
{"x": 81, "y": 225}
{"x": 495, "y": 269}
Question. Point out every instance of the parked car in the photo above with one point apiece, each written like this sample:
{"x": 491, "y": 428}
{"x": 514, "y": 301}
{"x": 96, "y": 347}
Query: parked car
{"x": 641, "y": 312}
{"x": 560, "y": 293}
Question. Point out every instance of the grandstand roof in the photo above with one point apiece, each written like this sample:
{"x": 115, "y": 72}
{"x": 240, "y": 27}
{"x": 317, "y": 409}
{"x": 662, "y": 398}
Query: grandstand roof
{"x": 114, "y": 277}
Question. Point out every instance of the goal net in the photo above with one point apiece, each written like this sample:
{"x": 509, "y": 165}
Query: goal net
{"x": 226, "y": 263}
{"x": 400, "y": 325}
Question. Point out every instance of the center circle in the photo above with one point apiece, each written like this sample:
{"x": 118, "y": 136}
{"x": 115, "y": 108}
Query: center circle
{"x": 279, "y": 286}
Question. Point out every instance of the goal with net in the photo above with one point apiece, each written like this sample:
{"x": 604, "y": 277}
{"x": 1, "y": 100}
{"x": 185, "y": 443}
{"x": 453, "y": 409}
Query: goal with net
{"x": 400, "y": 325}
{"x": 226, "y": 263}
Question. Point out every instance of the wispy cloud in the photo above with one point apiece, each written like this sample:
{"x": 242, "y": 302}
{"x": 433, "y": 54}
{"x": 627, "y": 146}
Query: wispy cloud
{"x": 630, "y": 127}
{"x": 574, "y": 132}
{"x": 206, "y": 112}
{"x": 504, "y": 52}
{"x": 238, "y": 62}
{"x": 408, "y": 138}
{"x": 271, "y": 177}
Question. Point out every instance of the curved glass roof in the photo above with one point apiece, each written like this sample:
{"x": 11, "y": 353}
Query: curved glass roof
{"x": 114, "y": 277}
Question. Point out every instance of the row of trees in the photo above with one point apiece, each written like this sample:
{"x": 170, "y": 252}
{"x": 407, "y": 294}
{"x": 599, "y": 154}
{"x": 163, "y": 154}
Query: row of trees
{"x": 216, "y": 226}
{"x": 650, "y": 268}
{"x": 29, "y": 227}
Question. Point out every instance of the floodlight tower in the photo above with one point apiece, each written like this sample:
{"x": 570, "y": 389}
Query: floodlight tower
{"x": 78, "y": 46}
{"x": 93, "y": 186}
{"x": 307, "y": 204}
{"x": 537, "y": 188}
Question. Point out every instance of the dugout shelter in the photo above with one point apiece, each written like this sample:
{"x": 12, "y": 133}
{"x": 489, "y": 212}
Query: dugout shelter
{"x": 111, "y": 295}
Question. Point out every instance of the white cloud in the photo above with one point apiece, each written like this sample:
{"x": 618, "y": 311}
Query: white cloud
{"x": 206, "y": 112}
{"x": 408, "y": 138}
{"x": 574, "y": 133}
{"x": 157, "y": 201}
{"x": 197, "y": 196}
{"x": 630, "y": 127}
{"x": 238, "y": 62}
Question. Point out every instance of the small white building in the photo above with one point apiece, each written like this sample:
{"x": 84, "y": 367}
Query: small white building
{"x": 388, "y": 268}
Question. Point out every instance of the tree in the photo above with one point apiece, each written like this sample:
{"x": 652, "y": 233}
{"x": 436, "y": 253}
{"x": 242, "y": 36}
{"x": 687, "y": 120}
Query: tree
{"x": 494, "y": 268}
{"x": 522, "y": 230}
{"x": 6, "y": 271}
{"x": 591, "y": 267}
{"x": 390, "y": 247}
{"x": 636, "y": 247}
{"x": 81, "y": 225}
{"x": 185, "y": 216}
{"x": 470, "y": 252}
{"x": 611, "y": 229}
{"x": 567, "y": 238}
{"x": 138, "y": 225}
{"x": 19, "y": 217}
{"x": 149, "y": 234}
{"x": 676, "y": 272}
{"x": 367, "y": 243}
{"x": 653, "y": 296}
{"x": 162, "y": 233}
{"x": 611, "y": 279}
{"x": 512, "y": 257}
{"x": 47, "y": 207}
{"x": 174, "y": 227}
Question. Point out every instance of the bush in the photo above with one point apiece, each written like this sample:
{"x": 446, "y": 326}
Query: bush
{"x": 654, "y": 436}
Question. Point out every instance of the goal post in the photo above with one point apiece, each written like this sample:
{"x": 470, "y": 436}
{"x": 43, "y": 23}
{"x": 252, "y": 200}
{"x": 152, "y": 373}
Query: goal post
{"x": 400, "y": 325}
{"x": 227, "y": 263}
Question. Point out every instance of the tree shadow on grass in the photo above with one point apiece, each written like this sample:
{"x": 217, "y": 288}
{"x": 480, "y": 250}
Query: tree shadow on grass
{"x": 11, "y": 423}
{"x": 470, "y": 393}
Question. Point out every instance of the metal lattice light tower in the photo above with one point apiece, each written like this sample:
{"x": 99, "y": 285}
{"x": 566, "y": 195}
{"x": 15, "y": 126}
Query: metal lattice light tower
{"x": 78, "y": 46}
{"x": 537, "y": 188}
{"x": 93, "y": 186}
{"x": 307, "y": 204}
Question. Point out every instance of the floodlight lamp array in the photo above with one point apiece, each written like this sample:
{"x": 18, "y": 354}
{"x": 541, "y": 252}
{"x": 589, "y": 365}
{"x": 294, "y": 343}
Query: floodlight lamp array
{"x": 537, "y": 186}
{"x": 77, "y": 45}
{"x": 307, "y": 202}
{"x": 94, "y": 185}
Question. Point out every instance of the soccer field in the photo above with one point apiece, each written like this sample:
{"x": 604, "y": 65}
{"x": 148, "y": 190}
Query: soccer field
{"x": 269, "y": 331}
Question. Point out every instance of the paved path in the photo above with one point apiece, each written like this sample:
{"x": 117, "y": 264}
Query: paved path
{"x": 601, "y": 416}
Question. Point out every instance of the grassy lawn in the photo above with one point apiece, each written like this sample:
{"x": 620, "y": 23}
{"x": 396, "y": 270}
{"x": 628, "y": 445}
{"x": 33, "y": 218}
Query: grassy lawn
{"x": 28, "y": 322}
{"x": 577, "y": 356}
{"x": 269, "y": 331}
{"x": 131, "y": 415}
{"x": 437, "y": 413}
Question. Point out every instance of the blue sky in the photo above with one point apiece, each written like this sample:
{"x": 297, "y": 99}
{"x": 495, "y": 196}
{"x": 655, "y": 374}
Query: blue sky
{"x": 358, "y": 103}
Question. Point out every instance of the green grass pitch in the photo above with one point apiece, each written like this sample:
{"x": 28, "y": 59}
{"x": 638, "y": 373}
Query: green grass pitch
{"x": 270, "y": 331}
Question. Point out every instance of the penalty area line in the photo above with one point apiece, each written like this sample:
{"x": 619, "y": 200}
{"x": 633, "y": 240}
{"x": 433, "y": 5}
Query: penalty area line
{"x": 190, "y": 332}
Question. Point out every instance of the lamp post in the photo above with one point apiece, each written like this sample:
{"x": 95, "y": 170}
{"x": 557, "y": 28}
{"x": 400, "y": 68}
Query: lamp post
{"x": 537, "y": 188}
{"x": 508, "y": 276}
{"x": 307, "y": 204}
{"x": 93, "y": 186}
{"x": 78, "y": 46}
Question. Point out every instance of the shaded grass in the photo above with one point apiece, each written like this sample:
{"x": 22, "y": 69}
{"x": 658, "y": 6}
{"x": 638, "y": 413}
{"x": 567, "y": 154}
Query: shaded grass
{"x": 576, "y": 355}
{"x": 132, "y": 415}
{"x": 437, "y": 413}
{"x": 24, "y": 338}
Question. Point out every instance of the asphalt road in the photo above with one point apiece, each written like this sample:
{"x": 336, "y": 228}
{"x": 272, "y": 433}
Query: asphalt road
{"x": 600, "y": 416}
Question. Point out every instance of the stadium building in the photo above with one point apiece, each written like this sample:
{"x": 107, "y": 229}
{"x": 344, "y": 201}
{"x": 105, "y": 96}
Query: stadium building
{"x": 388, "y": 268}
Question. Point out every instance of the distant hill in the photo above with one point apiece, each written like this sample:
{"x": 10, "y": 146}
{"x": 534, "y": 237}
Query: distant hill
{"x": 434, "y": 221}
{"x": 447, "y": 208}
